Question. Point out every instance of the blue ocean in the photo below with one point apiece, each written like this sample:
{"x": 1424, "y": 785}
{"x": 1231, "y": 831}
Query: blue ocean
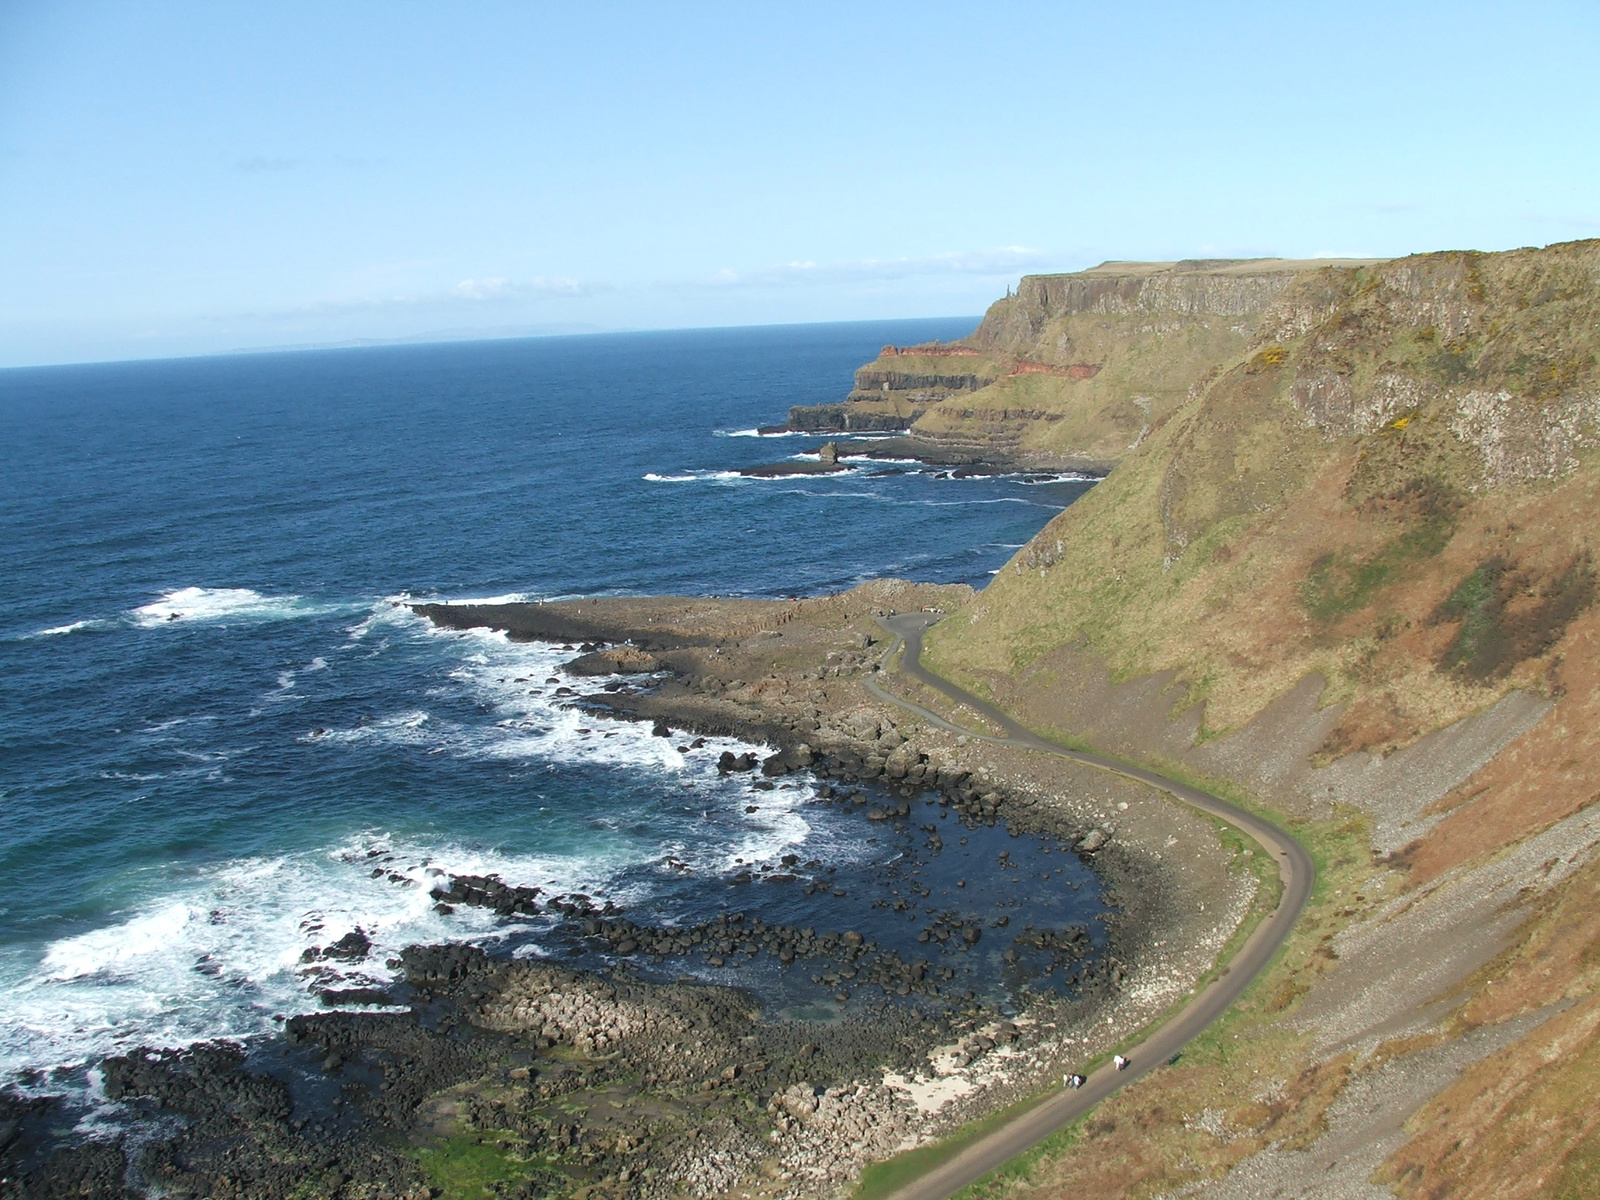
{"x": 209, "y": 560}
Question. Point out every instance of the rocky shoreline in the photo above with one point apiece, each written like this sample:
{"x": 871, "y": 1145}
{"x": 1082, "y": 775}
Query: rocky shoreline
{"x": 614, "y": 1083}
{"x": 955, "y": 459}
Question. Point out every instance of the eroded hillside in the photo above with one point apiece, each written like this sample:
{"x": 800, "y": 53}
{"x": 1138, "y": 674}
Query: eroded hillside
{"x": 1349, "y": 574}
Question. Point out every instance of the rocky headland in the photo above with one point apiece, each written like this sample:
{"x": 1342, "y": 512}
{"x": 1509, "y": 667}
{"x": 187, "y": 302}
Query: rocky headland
{"x": 638, "y": 1078}
{"x": 1072, "y": 371}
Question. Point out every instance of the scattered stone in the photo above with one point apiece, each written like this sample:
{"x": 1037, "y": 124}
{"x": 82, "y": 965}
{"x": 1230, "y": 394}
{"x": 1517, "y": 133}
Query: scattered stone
{"x": 1092, "y": 841}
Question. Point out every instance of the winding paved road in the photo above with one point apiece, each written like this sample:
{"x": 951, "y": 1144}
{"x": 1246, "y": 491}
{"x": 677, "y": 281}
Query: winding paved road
{"x": 1294, "y": 867}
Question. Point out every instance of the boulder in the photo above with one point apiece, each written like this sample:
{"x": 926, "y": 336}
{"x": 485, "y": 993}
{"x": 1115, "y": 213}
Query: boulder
{"x": 901, "y": 760}
{"x": 352, "y": 947}
{"x": 616, "y": 660}
{"x": 1092, "y": 841}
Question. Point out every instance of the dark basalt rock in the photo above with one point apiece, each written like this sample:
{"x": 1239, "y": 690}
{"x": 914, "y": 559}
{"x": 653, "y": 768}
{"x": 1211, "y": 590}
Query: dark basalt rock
{"x": 352, "y": 947}
{"x": 337, "y": 997}
{"x": 781, "y": 470}
{"x": 489, "y": 891}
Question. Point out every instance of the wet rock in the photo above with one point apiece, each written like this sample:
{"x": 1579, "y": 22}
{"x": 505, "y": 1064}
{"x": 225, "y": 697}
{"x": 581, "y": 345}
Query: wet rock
{"x": 352, "y": 947}
{"x": 337, "y": 997}
{"x": 488, "y": 891}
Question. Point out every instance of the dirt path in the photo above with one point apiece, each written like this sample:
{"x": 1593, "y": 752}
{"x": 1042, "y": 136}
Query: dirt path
{"x": 1295, "y": 868}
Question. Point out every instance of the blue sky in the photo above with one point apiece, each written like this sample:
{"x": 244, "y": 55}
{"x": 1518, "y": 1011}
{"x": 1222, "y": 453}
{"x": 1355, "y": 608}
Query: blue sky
{"x": 192, "y": 178}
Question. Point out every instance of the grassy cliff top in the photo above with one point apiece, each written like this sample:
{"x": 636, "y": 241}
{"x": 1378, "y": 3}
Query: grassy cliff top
{"x": 1221, "y": 266}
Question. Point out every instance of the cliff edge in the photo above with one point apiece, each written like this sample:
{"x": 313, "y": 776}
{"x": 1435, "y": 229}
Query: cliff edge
{"x": 1075, "y": 369}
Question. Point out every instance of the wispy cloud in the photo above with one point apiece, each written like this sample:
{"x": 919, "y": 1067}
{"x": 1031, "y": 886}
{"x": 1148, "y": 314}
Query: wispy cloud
{"x": 258, "y": 164}
{"x": 497, "y": 287}
{"x": 509, "y": 294}
{"x": 1567, "y": 221}
{"x": 489, "y": 292}
{"x": 1004, "y": 260}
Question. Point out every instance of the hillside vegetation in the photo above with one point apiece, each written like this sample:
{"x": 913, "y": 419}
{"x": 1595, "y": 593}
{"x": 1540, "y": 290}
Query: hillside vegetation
{"x": 1347, "y": 571}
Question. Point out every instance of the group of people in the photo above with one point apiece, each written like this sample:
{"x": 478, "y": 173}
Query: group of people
{"x": 1077, "y": 1081}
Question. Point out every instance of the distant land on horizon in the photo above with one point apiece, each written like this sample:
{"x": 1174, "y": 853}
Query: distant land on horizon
{"x": 492, "y": 334}
{"x": 574, "y": 329}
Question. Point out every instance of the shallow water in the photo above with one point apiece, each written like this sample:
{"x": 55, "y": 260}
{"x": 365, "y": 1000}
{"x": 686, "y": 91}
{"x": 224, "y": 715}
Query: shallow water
{"x": 206, "y": 561}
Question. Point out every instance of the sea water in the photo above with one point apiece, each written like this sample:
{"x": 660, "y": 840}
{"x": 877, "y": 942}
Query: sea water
{"x": 217, "y": 711}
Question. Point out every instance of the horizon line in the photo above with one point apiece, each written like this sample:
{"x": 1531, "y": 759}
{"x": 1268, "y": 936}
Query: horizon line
{"x": 445, "y": 339}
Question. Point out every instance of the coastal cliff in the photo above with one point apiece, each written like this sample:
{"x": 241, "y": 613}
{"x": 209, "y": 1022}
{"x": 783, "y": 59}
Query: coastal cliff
{"x": 1344, "y": 572}
{"x": 1075, "y": 369}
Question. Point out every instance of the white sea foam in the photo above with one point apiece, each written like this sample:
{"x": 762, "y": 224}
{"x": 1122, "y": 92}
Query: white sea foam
{"x": 541, "y": 727}
{"x": 220, "y": 954}
{"x": 757, "y": 433}
{"x": 1025, "y": 478}
{"x": 59, "y": 629}
{"x": 694, "y": 477}
{"x": 507, "y": 598}
{"x": 531, "y": 724}
{"x": 224, "y": 606}
{"x": 391, "y": 612}
{"x": 985, "y": 500}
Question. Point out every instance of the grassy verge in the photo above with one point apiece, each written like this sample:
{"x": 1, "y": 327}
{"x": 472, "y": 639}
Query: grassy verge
{"x": 887, "y": 1177}
{"x": 1020, "y": 1170}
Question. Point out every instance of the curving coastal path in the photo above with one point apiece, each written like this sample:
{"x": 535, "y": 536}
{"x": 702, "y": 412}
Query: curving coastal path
{"x": 1295, "y": 868}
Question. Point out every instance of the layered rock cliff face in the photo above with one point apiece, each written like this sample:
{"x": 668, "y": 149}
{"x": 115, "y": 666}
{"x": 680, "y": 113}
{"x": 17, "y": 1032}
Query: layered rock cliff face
{"x": 1074, "y": 369}
{"x": 1348, "y": 572}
